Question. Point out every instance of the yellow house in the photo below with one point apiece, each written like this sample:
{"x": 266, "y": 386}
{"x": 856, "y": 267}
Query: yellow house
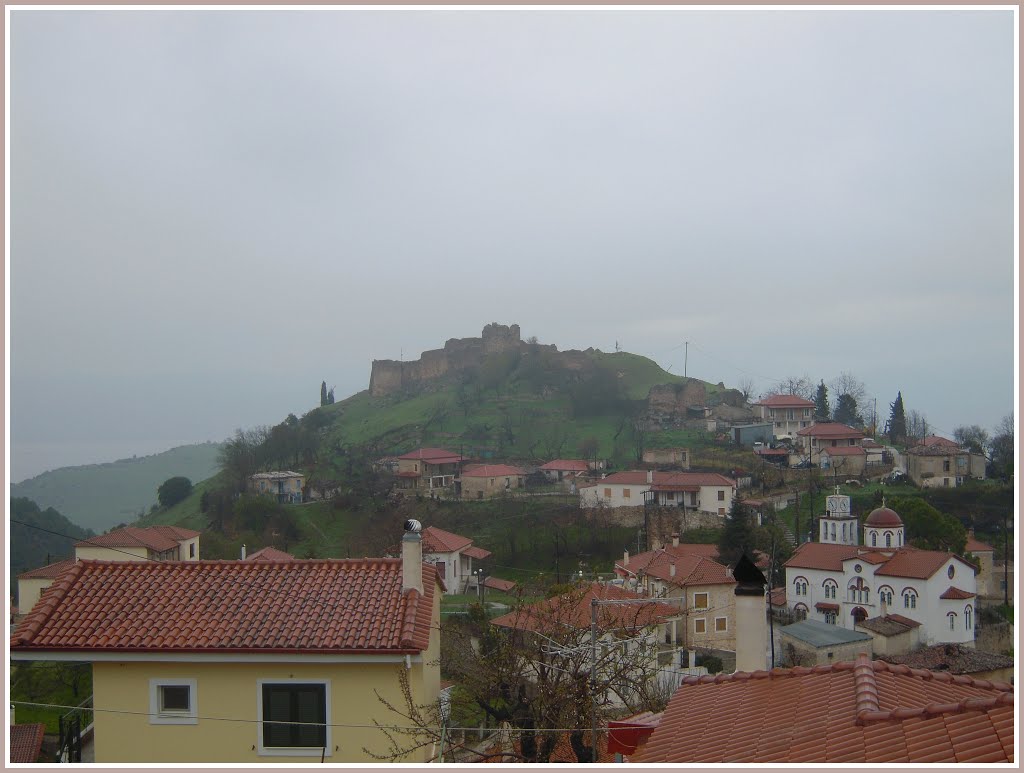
{"x": 246, "y": 661}
{"x": 131, "y": 543}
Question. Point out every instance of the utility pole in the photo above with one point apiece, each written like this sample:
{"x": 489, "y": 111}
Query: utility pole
{"x": 1006, "y": 562}
{"x": 686, "y": 356}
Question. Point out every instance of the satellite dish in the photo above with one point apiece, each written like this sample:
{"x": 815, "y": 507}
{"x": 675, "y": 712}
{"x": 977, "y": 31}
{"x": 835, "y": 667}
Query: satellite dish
{"x": 414, "y": 526}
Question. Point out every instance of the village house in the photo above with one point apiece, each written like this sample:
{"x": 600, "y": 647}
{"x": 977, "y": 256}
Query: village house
{"x": 245, "y": 662}
{"x": 669, "y": 457}
{"x": 837, "y": 581}
{"x": 130, "y": 543}
{"x": 481, "y": 481}
{"x": 860, "y": 711}
{"x": 708, "y": 492}
{"x": 453, "y": 556}
{"x": 687, "y": 572}
{"x": 826, "y": 435}
{"x": 428, "y": 470}
{"x": 984, "y": 559}
{"x": 283, "y": 485}
{"x": 565, "y": 470}
{"x": 787, "y": 413}
{"x": 813, "y": 643}
{"x": 269, "y": 553}
{"x": 843, "y": 461}
{"x": 942, "y": 465}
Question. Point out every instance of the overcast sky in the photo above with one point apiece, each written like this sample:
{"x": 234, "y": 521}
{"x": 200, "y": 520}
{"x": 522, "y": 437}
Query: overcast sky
{"x": 211, "y": 212}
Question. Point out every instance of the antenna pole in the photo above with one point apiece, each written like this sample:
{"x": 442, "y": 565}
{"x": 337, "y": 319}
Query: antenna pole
{"x": 686, "y": 356}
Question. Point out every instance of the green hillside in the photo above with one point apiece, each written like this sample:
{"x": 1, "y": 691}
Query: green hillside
{"x": 48, "y": 537}
{"x": 99, "y": 496}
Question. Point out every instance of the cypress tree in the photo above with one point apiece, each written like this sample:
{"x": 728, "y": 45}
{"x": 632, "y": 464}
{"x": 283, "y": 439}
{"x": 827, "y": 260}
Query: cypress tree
{"x": 821, "y": 403}
{"x": 323, "y": 393}
{"x": 737, "y": 535}
{"x": 897, "y": 426}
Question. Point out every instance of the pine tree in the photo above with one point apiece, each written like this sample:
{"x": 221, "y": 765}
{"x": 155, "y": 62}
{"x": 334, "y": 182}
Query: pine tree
{"x": 323, "y": 393}
{"x": 821, "y": 411}
{"x": 846, "y": 411}
{"x": 896, "y": 428}
{"x": 330, "y": 396}
{"x": 737, "y": 536}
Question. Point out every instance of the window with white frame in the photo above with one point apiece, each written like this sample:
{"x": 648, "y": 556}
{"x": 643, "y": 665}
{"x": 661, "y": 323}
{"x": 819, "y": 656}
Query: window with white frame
{"x": 885, "y": 595}
{"x": 952, "y": 621}
{"x": 700, "y": 625}
{"x": 909, "y": 599}
{"x": 173, "y": 702}
{"x": 721, "y": 624}
{"x": 800, "y": 586}
{"x": 294, "y": 717}
{"x": 830, "y": 618}
{"x": 831, "y": 589}
{"x": 700, "y": 600}
{"x": 967, "y": 617}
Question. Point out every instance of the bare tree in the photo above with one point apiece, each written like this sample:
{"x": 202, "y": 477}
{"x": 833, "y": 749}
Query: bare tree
{"x": 972, "y": 437}
{"x": 748, "y": 387}
{"x": 848, "y": 384}
{"x": 801, "y": 386}
{"x": 917, "y": 425}
{"x": 536, "y": 671}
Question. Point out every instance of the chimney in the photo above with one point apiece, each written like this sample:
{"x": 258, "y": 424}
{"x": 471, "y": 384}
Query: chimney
{"x": 672, "y": 569}
{"x": 650, "y": 476}
{"x": 675, "y": 540}
{"x": 625, "y": 558}
{"x": 243, "y": 551}
{"x": 751, "y": 624}
{"x": 412, "y": 557}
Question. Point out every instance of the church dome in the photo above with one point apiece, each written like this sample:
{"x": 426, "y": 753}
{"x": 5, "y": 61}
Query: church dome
{"x": 882, "y": 517}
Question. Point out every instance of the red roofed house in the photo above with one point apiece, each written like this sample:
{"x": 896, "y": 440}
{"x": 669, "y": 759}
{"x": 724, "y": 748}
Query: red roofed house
{"x": 453, "y": 556}
{"x": 428, "y": 471}
{"x": 558, "y": 470}
{"x": 864, "y": 711}
{"x": 244, "y": 661}
{"x": 844, "y": 460}
{"x": 689, "y": 572}
{"x": 480, "y": 481}
{"x": 26, "y": 742}
{"x": 131, "y": 543}
{"x": 269, "y": 553}
{"x": 705, "y": 491}
{"x": 827, "y": 435}
{"x": 787, "y": 413}
{"x": 838, "y": 581}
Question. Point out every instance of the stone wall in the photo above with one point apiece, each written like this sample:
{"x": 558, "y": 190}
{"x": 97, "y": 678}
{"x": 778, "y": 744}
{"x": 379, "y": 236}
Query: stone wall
{"x": 388, "y": 377}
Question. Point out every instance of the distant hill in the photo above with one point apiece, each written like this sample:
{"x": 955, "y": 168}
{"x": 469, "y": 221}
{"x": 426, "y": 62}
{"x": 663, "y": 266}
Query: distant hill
{"x": 35, "y": 547}
{"x": 99, "y": 496}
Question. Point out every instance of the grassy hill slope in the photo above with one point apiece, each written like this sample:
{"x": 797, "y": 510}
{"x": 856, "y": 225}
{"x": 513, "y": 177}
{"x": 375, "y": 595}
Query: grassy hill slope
{"x": 99, "y": 496}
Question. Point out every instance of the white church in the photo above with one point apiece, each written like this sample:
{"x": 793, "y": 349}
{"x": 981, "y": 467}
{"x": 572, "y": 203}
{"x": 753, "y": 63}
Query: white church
{"x": 839, "y": 581}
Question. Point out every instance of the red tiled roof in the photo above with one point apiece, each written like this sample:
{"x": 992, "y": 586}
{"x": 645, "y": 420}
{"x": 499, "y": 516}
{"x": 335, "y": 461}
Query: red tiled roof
{"x": 561, "y": 754}
{"x": 408, "y": 474}
{"x": 845, "y": 451}
{"x": 689, "y": 570}
{"x": 432, "y": 455}
{"x": 820, "y": 555}
{"x": 641, "y": 561}
{"x": 270, "y": 553}
{"x": 920, "y": 564}
{"x": 301, "y": 606}
{"x": 490, "y": 470}
{"x": 437, "y": 540}
{"x": 474, "y": 552}
{"x": 977, "y": 546}
{"x": 778, "y": 597}
{"x": 854, "y": 712}
{"x": 26, "y": 742}
{"x": 499, "y": 584}
{"x": 573, "y": 609}
{"x": 786, "y": 401}
{"x": 624, "y": 735}
{"x": 952, "y": 592}
{"x": 937, "y": 440}
{"x": 566, "y": 465}
{"x": 48, "y": 572}
{"x": 883, "y": 516}
{"x": 830, "y": 429}
{"x": 639, "y": 478}
{"x": 158, "y": 538}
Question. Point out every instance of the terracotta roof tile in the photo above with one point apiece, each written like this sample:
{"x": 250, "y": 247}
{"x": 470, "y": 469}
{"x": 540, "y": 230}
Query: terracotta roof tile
{"x": 437, "y": 540}
{"x": 831, "y": 430}
{"x": 566, "y": 465}
{"x": 862, "y": 712}
{"x": 490, "y": 470}
{"x": 952, "y": 592}
{"x": 231, "y": 606}
{"x": 158, "y": 538}
{"x": 845, "y": 451}
{"x": 499, "y": 584}
{"x": 553, "y": 613}
{"x": 977, "y": 546}
{"x": 26, "y": 742}
{"x": 48, "y": 572}
{"x": 474, "y": 552}
{"x": 270, "y": 553}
